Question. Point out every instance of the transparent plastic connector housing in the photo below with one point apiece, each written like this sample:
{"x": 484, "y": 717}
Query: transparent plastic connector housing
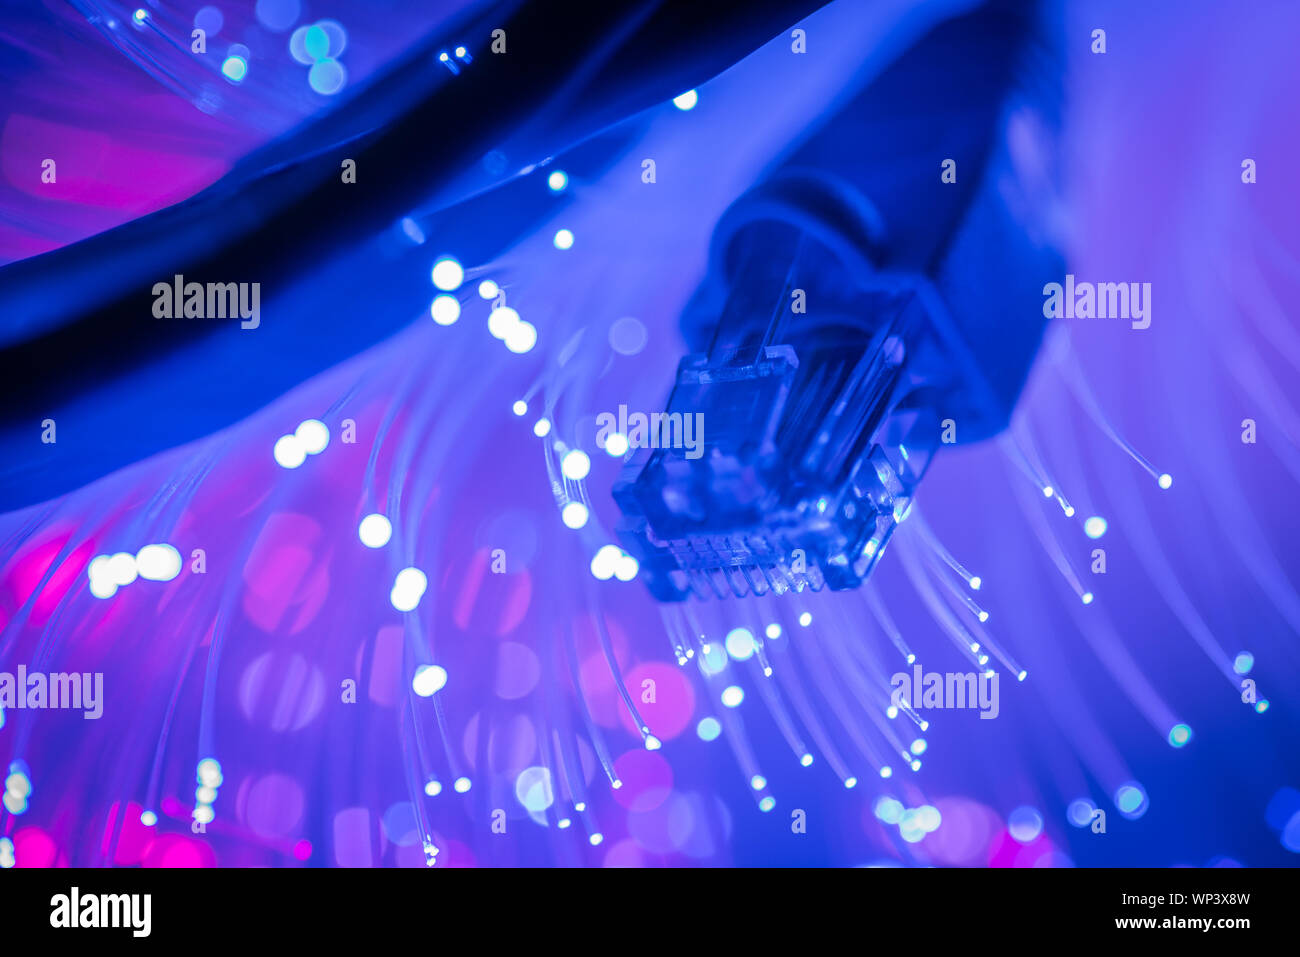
{"x": 812, "y": 452}
{"x": 825, "y": 363}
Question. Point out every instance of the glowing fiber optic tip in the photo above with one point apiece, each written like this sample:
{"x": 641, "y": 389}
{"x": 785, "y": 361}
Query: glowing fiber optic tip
{"x": 158, "y": 563}
{"x": 208, "y": 772}
{"x": 488, "y": 289}
{"x": 767, "y": 804}
{"x": 443, "y": 56}
{"x": 433, "y": 788}
{"x": 1261, "y": 706}
{"x": 148, "y": 818}
{"x": 18, "y": 785}
{"x": 1080, "y": 812}
{"x": 805, "y": 619}
{"x": 288, "y": 452}
{"x": 520, "y": 407}
{"x": 557, "y": 181}
{"x": 315, "y": 42}
{"x": 563, "y": 823}
{"x": 708, "y": 729}
{"x": 909, "y": 829}
{"x": 1094, "y": 526}
{"x": 984, "y": 616}
{"x": 1131, "y": 800}
{"x": 758, "y": 782}
{"x": 1165, "y": 480}
{"x": 447, "y": 273}
{"x": 596, "y": 838}
{"x": 916, "y": 765}
{"x": 773, "y": 631}
{"x": 575, "y": 465}
{"x": 408, "y": 589}
{"x": 234, "y": 69}
{"x": 889, "y": 810}
{"x": 1243, "y": 663}
{"x": 313, "y": 435}
{"x": 375, "y": 530}
{"x": 121, "y": 569}
{"x": 732, "y": 696}
{"x": 1022, "y": 675}
{"x": 1086, "y": 598}
{"x": 626, "y": 567}
{"x": 102, "y": 584}
{"x": 886, "y": 772}
{"x": 574, "y": 515}
{"x": 429, "y": 680}
{"x": 616, "y": 445}
{"x": 1048, "y": 491}
{"x": 563, "y": 239}
{"x": 1069, "y": 511}
{"x": 929, "y": 818}
{"x": 445, "y": 309}
{"x": 687, "y": 100}
{"x": 327, "y": 76}
{"x": 604, "y": 561}
{"x": 918, "y": 746}
{"x": 652, "y": 743}
{"x": 580, "y": 806}
{"x": 462, "y": 785}
{"x": 1179, "y": 735}
{"x": 740, "y": 644}
{"x": 1025, "y": 824}
{"x": 976, "y": 582}
{"x": 410, "y": 227}
{"x": 891, "y": 712}
{"x": 521, "y": 338}
{"x": 140, "y": 16}
{"x": 542, "y": 428}
{"x": 501, "y": 321}
{"x": 850, "y": 782}
{"x": 806, "y": 760}
{"x": 460, "y": 51}
{"x": 204, "y": 814}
